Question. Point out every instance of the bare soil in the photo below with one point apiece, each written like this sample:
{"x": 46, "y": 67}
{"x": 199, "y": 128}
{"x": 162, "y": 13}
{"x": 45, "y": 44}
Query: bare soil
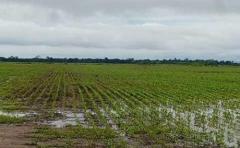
{"x": 16, "y": 136}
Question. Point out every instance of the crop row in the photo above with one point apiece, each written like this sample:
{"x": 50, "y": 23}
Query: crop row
{"x": 130, "y": 111}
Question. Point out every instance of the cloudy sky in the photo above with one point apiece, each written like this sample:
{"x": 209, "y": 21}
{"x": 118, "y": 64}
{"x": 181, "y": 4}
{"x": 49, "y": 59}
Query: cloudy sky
{"x": 121, "y": 28}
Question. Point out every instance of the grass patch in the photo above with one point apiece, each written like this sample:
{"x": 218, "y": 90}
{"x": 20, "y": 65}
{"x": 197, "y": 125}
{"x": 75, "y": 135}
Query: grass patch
{"x": 9, "y": 105}
{"x": 10, "y": 120}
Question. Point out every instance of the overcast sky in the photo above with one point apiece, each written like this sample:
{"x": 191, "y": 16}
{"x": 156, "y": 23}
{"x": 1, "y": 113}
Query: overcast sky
{"x": 121, "y": 28}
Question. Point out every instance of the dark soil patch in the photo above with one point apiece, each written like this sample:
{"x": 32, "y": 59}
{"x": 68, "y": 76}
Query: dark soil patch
{"x": 16, "y": 136}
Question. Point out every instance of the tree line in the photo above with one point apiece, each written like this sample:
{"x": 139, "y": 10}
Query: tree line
{"x": 117, "y": 61}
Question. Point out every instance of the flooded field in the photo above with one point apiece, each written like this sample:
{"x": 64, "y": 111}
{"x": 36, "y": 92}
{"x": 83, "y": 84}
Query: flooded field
{"x": 216, "y": 122}
{"x": 125, "y": 105}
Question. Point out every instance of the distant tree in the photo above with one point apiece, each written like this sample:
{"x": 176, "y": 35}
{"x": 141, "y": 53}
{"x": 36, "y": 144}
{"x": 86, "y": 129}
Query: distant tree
{"x": 115, "y": 61}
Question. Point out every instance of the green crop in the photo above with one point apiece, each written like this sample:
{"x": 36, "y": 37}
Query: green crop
{"x": 149, "y": 105}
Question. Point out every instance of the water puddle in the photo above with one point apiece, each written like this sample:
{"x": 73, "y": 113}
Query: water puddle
{"x": 109, "y": 120}
{"x": 17, "y": 114}
{"x": 68, "y": 118}
{"x": 214, "y": 120}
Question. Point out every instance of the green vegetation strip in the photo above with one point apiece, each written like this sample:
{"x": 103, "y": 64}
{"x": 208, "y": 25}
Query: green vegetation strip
{"x": 4, "y": 119}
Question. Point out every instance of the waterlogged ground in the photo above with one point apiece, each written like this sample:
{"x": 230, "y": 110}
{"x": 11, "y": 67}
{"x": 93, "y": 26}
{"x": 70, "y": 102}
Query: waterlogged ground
{"x": 210, "y": 125}
{"x": 121, "y": 106}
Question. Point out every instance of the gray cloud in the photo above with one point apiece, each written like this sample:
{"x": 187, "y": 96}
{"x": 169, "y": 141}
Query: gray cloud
{"x": 133, "y": 28}
{"x": 115, "y": 6}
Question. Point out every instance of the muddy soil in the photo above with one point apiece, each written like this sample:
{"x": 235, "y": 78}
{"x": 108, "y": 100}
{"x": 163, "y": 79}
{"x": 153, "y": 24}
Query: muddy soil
{"x": 16, "y": 136}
